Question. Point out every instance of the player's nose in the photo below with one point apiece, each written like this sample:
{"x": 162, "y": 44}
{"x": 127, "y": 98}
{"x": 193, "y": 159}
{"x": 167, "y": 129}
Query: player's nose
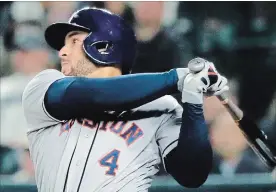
{"x": 63, "y": 52}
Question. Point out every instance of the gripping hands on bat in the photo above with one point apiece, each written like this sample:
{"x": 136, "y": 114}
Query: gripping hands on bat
{"x": 202, "y": 79}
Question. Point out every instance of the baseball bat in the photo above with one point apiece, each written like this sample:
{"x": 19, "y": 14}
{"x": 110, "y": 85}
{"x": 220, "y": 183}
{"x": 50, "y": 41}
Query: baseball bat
{"x": 256, "y": 138}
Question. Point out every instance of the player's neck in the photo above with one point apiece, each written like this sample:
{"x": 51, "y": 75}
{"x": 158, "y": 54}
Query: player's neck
{"x": 104, "y": 72}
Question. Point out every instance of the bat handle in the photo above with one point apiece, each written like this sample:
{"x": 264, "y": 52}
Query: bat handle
{"x": 232, "y": 108}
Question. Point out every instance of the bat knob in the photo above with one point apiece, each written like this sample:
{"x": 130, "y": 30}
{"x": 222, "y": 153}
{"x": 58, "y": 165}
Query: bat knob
{"x": 196, "y": 65}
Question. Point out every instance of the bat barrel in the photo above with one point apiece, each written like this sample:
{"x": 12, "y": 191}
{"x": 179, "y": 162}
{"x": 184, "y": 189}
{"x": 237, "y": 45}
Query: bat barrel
{"x": 258, "y": 141}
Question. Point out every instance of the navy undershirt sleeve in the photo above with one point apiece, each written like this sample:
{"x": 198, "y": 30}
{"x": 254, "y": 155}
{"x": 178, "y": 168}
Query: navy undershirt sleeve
{"x": 73, "y": 97}
{"x": 190, "y": 162}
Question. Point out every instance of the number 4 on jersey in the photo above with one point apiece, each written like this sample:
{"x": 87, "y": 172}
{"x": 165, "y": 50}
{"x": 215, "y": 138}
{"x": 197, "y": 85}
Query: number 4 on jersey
{"x": 110, "y": 161}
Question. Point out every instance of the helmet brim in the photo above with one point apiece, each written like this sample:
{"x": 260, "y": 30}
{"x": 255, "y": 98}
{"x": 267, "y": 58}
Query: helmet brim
{"x": 55, "y": 34}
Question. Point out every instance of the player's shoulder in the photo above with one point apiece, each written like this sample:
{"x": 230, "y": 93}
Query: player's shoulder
{"x": 41, "y": 80}
{"x": 47, "y": 74}
{"x": 167, "y": 102}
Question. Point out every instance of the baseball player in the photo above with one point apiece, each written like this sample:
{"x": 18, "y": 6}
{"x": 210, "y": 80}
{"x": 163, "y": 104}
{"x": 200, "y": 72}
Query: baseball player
{"x": 95, "y": 127}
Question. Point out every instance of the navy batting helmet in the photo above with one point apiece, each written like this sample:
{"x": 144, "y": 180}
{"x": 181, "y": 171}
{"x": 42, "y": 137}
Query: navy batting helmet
{"x": 110, "y": 40}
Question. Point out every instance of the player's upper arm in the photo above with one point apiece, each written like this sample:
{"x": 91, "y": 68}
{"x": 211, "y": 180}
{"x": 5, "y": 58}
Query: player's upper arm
{"x": 168, "y": 132}
{"x": 33, "y": 100}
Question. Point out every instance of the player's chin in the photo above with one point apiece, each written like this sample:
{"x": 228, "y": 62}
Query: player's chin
{"x": 66, "y": 70}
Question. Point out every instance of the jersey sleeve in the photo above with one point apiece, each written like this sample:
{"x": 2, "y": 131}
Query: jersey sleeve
{"x": 33, "y": 100}
{"x": 168, "y": 132}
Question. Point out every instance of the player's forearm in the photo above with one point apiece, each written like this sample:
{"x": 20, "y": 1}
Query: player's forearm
{"x": 191, "y": 161}
{"x": 75, "y": 96}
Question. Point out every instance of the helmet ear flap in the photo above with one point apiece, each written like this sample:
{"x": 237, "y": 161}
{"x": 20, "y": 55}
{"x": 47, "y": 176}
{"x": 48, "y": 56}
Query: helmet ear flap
{"x": 101, "y": 50}
{"x": 91, "y": 48}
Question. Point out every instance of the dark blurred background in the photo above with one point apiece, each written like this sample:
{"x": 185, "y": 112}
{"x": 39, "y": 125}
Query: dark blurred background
{"x": 239, "y": 37}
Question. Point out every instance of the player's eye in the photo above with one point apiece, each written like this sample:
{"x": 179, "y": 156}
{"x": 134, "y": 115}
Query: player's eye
{"x": 75, "y": 41}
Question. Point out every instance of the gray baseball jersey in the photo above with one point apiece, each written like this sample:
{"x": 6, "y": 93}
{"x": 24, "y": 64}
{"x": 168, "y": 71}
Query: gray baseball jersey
{"x": 124, "y": 156}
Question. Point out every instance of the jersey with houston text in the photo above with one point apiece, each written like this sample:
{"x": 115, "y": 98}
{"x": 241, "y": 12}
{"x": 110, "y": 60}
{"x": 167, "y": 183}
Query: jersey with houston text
{"x": 126, "y": 150}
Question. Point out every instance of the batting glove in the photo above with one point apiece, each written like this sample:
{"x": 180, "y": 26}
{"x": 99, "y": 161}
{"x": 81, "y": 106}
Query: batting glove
{"x": 202, "y": 79}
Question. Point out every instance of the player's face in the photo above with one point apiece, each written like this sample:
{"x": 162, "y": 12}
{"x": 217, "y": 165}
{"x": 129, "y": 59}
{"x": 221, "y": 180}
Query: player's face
{"x": 73, "y": 59}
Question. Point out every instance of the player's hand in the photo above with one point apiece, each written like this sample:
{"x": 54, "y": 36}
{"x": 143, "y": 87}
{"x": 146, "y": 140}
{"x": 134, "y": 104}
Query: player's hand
{"x": 202, "y": 78}
{"x": 217, "y": 84}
